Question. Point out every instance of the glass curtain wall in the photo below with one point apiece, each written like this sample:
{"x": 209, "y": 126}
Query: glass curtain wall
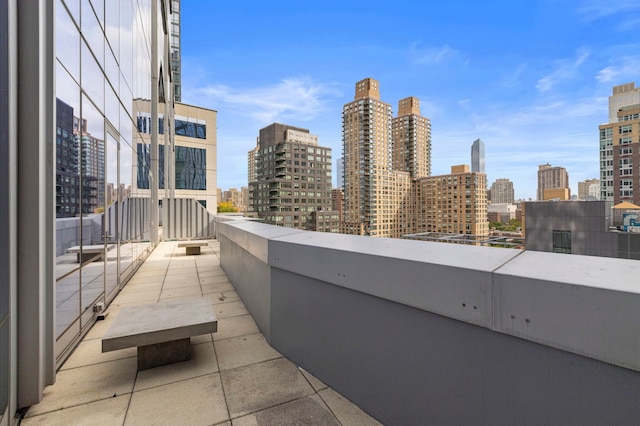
{"x": 103, "y": 63}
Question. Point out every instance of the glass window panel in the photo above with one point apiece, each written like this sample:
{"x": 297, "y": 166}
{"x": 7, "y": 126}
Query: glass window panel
{"x": 126, "y": 46}
{"x": 92, "y": 78}
{"x": 68, "y": 200}
{"x": 93, "y": 198}
{"x": 74, "y": 9}
{"x": 112, "y": 107}
{"x": 112, "y": 72}
{"x": 126, "y": 129}
{"x": 190, "y": 168}
{"x": 92, "y": 32}
{"x": 112, "y": 27}
{"x": 115, "y": 193}
{"x": 67, "y": 42}
{"x": 98, "y": 7}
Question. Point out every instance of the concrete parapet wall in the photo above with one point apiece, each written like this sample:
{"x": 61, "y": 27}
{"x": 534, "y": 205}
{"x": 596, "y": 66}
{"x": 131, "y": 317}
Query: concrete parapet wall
{"x": 432, "y": 333}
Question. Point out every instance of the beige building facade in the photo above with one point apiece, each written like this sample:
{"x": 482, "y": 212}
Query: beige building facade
{"x": 187, "y": 153}
{"x": 453, "y": 204}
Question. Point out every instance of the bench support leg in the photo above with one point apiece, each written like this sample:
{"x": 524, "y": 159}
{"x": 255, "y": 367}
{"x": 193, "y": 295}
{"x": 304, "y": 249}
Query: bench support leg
{"x": 193, "y": 250}
{"x": 151, "y": 356}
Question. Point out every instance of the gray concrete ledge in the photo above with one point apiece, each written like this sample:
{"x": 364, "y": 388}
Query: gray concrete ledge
{"x": 581, "y": 304}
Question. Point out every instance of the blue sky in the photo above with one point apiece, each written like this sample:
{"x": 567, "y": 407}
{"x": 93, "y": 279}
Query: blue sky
{"x": 530, "y": 78}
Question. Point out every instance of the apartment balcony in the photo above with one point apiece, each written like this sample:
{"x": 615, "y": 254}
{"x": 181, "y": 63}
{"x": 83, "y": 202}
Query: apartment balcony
{"x": 411, "y": 332}
{"x": 234, "y": 374}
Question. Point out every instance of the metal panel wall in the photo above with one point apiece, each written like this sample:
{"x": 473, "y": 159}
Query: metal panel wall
{"x": 185, "y": 218}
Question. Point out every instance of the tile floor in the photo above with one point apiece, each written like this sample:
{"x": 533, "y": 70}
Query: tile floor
{"x": 234, "y": 377}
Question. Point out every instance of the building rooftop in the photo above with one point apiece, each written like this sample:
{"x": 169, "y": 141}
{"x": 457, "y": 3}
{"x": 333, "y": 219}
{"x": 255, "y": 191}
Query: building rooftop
{"x": 234, "y": 375}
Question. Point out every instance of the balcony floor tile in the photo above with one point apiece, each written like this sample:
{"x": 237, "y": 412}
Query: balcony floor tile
{"x": 198, "y": 401}
{"x": 259, "y": 386}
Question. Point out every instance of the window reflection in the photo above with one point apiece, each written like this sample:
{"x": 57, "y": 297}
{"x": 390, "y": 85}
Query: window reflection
{"x": 99, "y": 71}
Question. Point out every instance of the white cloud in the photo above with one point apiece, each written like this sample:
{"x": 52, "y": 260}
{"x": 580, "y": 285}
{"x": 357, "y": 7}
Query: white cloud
{"x": 291, "y": 99}
{"x": 630, "y": 24}
{"x": 435, "y": 55}
{"x": 464, "y": 103}
{"x": 625, "y": 67}
{"x": 592, "y": 10}
{"x": 564, "y": 69}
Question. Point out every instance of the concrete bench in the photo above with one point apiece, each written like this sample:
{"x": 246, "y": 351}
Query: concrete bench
{"x": 161, "y": 331}
{"x": 193, "y": 247}
{"x": 89, "y": 252}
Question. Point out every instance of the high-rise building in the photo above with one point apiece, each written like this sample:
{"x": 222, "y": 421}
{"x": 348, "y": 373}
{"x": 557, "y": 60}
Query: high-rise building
{"x": 292, "y": 185}
{"x": 502, "y": 191}
{"x": 386, "y": 163}
{"x": 589, "y": 189}
{"x": 477, "y": 156}
{"x": 552, "y": 178}
{"x": 366, "y": 137}
{"x": 454, "y": 204}
{"x": 620, "y": 157}
{"x": 622, "y": 96}
{"x": 340, "y": 172}
{"x": 411, "y": 140}
{"x": 175, "y": 50}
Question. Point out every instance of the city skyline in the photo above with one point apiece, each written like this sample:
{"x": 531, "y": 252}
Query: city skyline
{"x": 531, "y": 81}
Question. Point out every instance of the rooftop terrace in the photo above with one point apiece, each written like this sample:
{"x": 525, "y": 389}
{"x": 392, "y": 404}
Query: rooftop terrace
{"x": 411, "y": 332}
{"x": 234, "y": 376}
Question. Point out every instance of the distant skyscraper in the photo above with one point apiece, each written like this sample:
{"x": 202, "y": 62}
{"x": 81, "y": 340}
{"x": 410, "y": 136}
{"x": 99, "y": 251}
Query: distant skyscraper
{"x": 292, "y": 187}
{"x": 502, "y": 191}
{"x": 411, "y": 140}
{"x": 623, "y": 95}
{"x": 175, "y": 44}
{"x": 477, "y": 156}
{"x": 366, "y": 137}
{"x": 552, "y": 178}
